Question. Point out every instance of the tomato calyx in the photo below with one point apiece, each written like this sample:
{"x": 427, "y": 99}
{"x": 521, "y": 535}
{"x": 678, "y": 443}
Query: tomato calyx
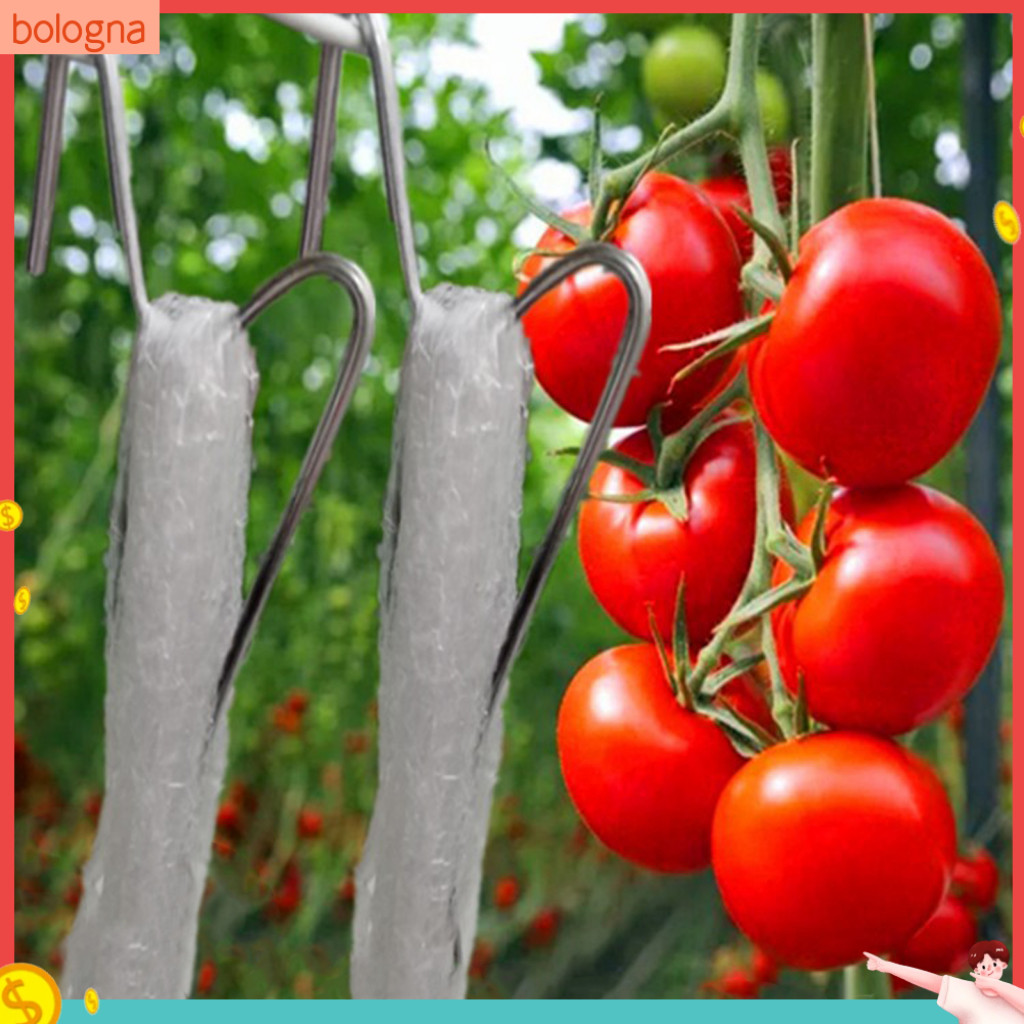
{"x": 676, "y": 669}
{"x": 672, "y": 453}
{"x": 663, "y": 479}
{"x": 747, "y": 737}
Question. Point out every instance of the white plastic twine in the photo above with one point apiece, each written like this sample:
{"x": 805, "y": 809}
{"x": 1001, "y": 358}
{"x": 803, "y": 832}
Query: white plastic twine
{"x": 447, "y": 590}
{"x": 174, "y": 592}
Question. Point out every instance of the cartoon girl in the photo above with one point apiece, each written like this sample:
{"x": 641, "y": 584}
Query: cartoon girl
{"x": 987, "y": 1001}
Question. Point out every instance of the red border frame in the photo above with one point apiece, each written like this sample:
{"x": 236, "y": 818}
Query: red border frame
{"x": 7, "y": 487}
{"x": 7, "y": 432}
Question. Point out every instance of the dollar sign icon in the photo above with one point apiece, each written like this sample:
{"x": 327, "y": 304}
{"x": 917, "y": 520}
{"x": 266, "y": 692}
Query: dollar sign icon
{"x": 1007, "y": 222}
{"x": 28, "y": 995}
{"x": 10, "y": 515}
{"x": 12, "y": 1000}
{"x": 21, "y": 600}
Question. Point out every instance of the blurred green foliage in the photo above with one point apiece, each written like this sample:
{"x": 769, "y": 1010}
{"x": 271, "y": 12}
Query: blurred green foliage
{"x": 219, "y": 125}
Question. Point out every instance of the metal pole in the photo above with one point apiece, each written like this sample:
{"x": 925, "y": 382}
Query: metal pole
{"x": 984, "y": 438}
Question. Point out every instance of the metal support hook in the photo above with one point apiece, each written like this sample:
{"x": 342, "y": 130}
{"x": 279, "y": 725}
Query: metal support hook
{"x": 321, "y": 149}
{"x": 55, "y": 91}
{"x": 115, "y": 133}
{"x": 634, "y": 337}
{"x": 389, "y": 123}
{"x": 342, "y": 271}
{"x": 360, "y": 292}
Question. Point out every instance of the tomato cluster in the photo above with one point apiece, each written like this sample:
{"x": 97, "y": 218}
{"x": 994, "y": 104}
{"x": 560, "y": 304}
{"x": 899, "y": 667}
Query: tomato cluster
{"x": 827, "y": 837}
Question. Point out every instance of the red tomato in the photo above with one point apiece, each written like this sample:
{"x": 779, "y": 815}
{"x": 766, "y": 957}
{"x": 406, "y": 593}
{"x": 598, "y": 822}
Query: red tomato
{"x": 765, "y": 969}
{"x": 941, "y": 944}
{"x": 481, "y": 960}
{"x": 735, "y": 983}
{"x": 902, "y": 616}
{"x": 745, "y": 695}
{"x": 297, "y": 701}
{"x": 206, "y": 977}
{"x": 626, "y": 747}
{"x": 347, "y": 889}
{"x": 883, "y": 344}
{"x": 694, "y": 267}
{"x": 506, "y": 892}
{"x": 93, "y": 806}
{"x": 73, "y": 893}
{"x": 634, "y": 554}
{"x": 729, "y": 190}
{"x": 310, "y": 823}
{"x": 287, "y": 893}
{"x": 976, "y": 879}
{"x": 832, "y": 844}
{"x": 229, "y": 818}
{"x": 543, "y": 928}
{"x": 780, "y": 164}
{"x": 727, "y": 193}
{"x": 287, "y": 720}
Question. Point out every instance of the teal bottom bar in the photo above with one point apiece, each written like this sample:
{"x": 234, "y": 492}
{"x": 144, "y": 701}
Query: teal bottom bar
{"x": 254, "y": 1011}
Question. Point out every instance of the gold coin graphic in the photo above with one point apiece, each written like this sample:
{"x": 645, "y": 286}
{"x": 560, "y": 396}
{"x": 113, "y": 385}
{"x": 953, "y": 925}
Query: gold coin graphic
{"x": 10, "y": 515}
{"x": 28, "y": 995}
{"x": 1007, "y": 222}
{"x": 21, "y": 602}
{"x": 92, "y": 1000}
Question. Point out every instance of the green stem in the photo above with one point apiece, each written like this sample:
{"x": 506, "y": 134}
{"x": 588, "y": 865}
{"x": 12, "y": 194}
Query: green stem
{"x": 782, "y": 703}
{"x": 760, "y": 572}
{"x": 616, "y": 184}
{"x": 851, "y": 982}
{"x": 736, "y": 111}
{"x": 839, "y": 113}
{"x": 676, "y": 448}
{"x": 745, "y": 120}
{"x": 874, "y": 146}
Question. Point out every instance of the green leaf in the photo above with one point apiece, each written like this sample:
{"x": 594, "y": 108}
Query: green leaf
{"x": 574, "y": 231}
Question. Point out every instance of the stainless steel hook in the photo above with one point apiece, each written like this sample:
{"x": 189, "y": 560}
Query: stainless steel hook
{"x": 360, "y": 292}
{"x": 51, "y": 131}
{"x": 115, "y": 134}
{"x": 373, "y": 35}
{"x": 345, "y": 273}
{"x": 634, "y": 337}
{"x": 321, "y": 149}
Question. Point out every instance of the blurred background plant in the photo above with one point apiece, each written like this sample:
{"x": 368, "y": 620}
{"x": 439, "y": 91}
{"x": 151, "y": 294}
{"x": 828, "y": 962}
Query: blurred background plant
{"x": 220, "y": 122}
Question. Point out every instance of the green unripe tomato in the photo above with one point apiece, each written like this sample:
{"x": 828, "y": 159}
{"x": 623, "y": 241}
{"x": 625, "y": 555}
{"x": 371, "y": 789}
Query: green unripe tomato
{"x": 771, "y": 98}
{"x": 684, "y": 72}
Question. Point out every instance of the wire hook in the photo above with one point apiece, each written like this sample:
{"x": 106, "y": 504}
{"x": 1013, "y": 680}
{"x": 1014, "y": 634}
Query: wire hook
{"x": 360, "y": 293}
{"x": 321, "y": 149}
{"x": 634, "y": 337}
{"x": 373, "y": 35}
{"x": 115, "y": 134}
